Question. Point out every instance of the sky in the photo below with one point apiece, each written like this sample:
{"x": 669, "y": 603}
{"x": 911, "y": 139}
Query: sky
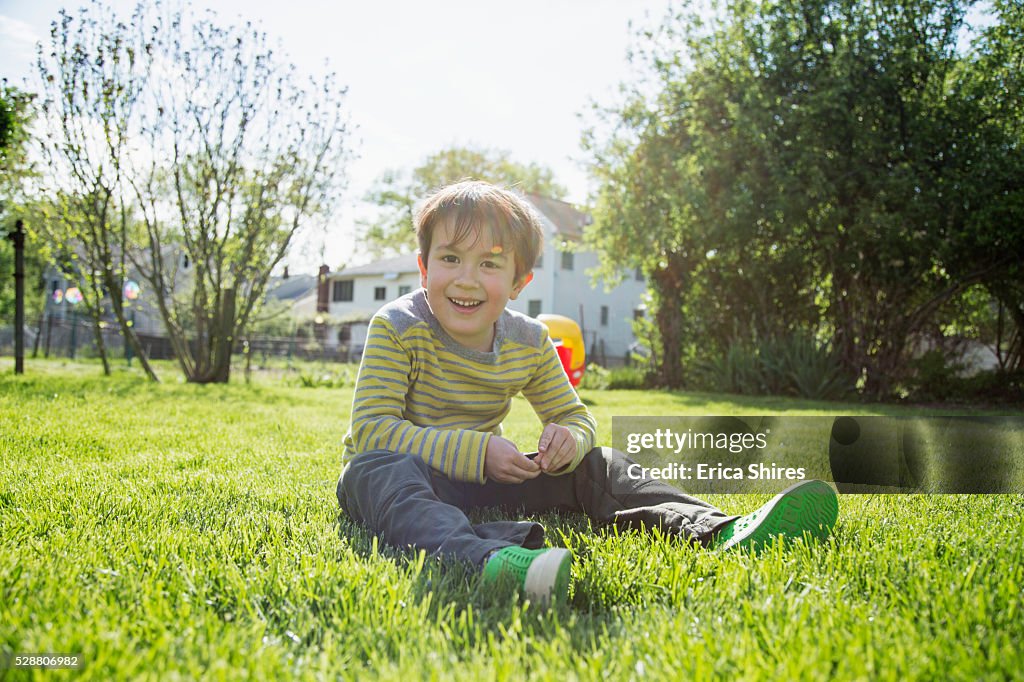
{"x": 424, "y": 76}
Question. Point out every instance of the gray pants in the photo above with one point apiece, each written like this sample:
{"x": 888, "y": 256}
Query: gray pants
{"x": 399, "y": 498}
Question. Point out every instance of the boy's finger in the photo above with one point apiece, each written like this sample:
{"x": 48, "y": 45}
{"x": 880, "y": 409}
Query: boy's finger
{"x": 514, "y": 474}
{"x": 545, "y": 438}
{"x": 520, "y": 475}
{"x": 526, "y": 464}
{"x": 562, "y": 457}
{"x": 554, "y": 458}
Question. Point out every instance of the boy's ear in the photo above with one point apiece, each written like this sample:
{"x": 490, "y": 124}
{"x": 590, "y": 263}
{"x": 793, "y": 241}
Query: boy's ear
{"x": 423, "y": 270}
{"x": 523, "y": 281}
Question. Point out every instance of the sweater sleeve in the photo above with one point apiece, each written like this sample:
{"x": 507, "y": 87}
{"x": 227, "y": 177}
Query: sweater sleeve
{"x": 378, "y": 412}
{"x": 556, "y": 402}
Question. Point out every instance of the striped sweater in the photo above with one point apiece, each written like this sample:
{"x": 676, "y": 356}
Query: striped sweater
{"x": 422, "y": 393}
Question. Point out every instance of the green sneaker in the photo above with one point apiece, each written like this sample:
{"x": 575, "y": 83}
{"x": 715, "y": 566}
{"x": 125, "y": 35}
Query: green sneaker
{"x": 809, "y": 507}
{"x": 542, "y": 574}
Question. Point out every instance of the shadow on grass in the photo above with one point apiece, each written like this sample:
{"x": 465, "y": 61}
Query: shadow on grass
{"x": 737, "y": 404}
{"x": 612, "y": 578}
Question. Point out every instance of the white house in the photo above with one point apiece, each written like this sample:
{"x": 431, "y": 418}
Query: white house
{"x": 351, "y": 296}
{"x": 561, "y": 285}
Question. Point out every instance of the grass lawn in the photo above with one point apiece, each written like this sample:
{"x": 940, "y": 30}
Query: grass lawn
{"x": 175, "y": 531}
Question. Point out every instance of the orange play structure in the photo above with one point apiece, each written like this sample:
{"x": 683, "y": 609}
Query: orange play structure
{"x": 568, "y": 341}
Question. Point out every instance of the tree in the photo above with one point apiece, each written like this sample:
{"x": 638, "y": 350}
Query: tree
{"x": 642, "y": 217}
{"x": 92, "y": 79}
{"x": 836, "y": 111}
{"x": 800, "y": 154}
{"x": 856, "y": 135}
{"x": 16, "y": 113}
{"x": 215, "y": 154}
{"x": 982, "y": 189}
{"x": 396, "y": 193}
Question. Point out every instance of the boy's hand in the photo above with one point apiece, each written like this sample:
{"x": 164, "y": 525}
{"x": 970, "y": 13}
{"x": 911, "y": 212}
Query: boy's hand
{"x": 505, "y": 464}
{"x": 557, "y": 448}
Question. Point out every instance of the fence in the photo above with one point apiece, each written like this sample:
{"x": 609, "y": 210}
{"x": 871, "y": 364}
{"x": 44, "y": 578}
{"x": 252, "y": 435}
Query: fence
{"x": 69, "y": 338}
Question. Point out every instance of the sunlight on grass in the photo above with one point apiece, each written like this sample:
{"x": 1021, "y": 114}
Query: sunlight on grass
{"x": 174, "y": 530}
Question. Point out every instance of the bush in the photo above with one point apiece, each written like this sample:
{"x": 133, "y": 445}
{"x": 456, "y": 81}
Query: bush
{"x": 994, "y": 386}
{"x": 736, "y": 371}
{"x": 338, "y": 378}
{"x": 794, "y": 365}
{"x": 595, "y": 378}
{"x": 598, "y": 378}
{"x": 628, "y": 378}
{"x": 935, "y": 379}
{"x": 798, "y": 365}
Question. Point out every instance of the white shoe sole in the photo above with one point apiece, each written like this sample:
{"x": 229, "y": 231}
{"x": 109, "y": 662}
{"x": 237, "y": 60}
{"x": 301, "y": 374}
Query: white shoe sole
{"x": 542, "y": 576}
{"x": 807, "y": 507}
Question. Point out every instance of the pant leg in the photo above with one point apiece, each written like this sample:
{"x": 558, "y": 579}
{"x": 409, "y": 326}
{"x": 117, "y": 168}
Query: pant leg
{"x": 396, "y": 496}
{"x": 601, "y": 488}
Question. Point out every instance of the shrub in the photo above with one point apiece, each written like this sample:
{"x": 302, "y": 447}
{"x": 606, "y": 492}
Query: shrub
{"x": 595, "y": 378}
{"x": 934, "y": 378}
{"x": 735, "y": 371}
{"x": 598, "y": 378}
{"x": 794, "y": 365}
{"x": 995, "y": 386}
{"x": 325, "y": 378}
{"x": 798, "y": 365}
{"x": 627, "y": 378}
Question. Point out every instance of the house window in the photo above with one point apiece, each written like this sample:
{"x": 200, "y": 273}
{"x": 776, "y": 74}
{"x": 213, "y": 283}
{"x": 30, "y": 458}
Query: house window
{"x": 380, "y": 293}
{"x": 567, "y": 260}
{"x": 638, "y": 275}
{"x": 604, "y": 316}
{"x": 342, "y": 290}
{"x": 533, "y": 307}
{"x": 540, "y": 262}
{"x": 638, "y": 314}
{"x": 403, "y": 289}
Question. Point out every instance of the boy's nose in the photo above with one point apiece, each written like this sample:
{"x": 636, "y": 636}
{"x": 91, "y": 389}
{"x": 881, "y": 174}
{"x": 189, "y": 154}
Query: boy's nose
{"x": 466, "y": 278}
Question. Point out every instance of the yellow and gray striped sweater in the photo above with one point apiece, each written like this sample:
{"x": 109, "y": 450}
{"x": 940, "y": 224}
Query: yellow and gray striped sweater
{"x": 422, "y": 393}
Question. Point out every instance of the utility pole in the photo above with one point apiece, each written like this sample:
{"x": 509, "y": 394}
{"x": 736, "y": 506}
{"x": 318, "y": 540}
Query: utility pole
{"x": 18, "y": 237}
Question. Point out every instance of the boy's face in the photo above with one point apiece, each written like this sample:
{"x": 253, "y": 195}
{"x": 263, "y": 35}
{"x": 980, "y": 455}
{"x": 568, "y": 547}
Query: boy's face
{"x": 468, "y": 285}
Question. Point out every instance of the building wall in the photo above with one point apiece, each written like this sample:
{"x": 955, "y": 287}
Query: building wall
{"x": 363, "y": 287}
{"x": 564, "y": 292}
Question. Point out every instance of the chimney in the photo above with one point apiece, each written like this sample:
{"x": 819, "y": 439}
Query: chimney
{"x": 285, "y": 275}
{"x": 322, "y": 299}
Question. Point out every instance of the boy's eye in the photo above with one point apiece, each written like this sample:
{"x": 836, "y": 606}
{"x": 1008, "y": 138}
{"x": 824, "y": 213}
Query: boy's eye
{"x": 449, "y": 258}
{"x": 490, "y": 264}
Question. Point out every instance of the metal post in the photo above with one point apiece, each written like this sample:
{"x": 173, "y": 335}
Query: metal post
{"x": 291, "y": 343}
{"x": 49, "y": 333}
{"x": 74, "y": 330}
{"x": 39, "y": 336}
{"x": 18, "y": 237}
{"x": 128, "y": 346}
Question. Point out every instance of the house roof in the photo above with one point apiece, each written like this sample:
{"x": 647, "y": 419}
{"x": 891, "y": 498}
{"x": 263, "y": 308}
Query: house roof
{"x": 399, "y": 265}
{"x": 292, "y": 288}
{"x": 567, "y": 219}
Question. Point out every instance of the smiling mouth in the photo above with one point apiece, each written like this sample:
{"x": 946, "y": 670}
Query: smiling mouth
{"x": 465, "y": 302}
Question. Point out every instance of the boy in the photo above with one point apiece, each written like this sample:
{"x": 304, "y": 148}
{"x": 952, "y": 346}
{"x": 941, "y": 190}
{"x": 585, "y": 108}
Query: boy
{"x": 439, "y": 369}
